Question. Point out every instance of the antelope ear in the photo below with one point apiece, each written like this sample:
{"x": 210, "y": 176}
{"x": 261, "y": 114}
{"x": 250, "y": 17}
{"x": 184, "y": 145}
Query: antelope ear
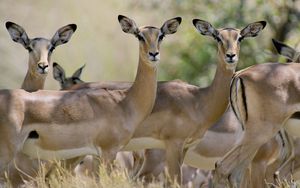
{"x": 128, "y": 25}
{"x": 170, "y": 26}
{"x": 284, "y": 49}
{"x": 17, "y": 33}
{"x": 59, "y": 73}
{"x": 205, "y": 28}
{"x": 77, "y": 73}
{"x": 253, "y": 29}
{"x": 63, "y": 34}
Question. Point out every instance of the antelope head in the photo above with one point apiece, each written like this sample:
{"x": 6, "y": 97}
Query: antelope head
{"x": 40, "y": 49}
{"x": 149, "y": 37}
{"x": 60, "y": 76}
{"x": 229, "y": 39}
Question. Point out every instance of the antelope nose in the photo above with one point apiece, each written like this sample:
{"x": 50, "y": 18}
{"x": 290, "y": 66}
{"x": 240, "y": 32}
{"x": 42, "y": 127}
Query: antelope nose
{"x": 153, "y": 54}
{"x": 43, "y": 66}
{"x": 230, "y": 55}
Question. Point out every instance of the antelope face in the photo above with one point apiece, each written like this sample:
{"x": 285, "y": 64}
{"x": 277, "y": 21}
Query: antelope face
{"x": 229, "y": 45}
{"x": 149, "y": 37}
{"x": 229, "y": 39}
{"x": 40, "y": 49}
{"x": 66, "y": 82}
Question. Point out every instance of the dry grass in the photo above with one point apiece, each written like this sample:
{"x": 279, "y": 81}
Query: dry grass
{"x": 117, "y": 178}
{"x": 60, "y": 178}
{"x": 283, "y": 183}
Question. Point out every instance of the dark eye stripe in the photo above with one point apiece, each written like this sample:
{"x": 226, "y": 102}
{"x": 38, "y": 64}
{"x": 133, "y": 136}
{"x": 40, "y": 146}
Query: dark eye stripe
{"x": 29, "y": 49}
{"x": 140, "y": 37}
{"x": 51, "y": 48}
{"x": 161, "y": 37}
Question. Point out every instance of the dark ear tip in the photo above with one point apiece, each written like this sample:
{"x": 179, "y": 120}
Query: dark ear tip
{"x": 195, "y": 21}
{"x": 73, "y": 26}
{"x": 179, "y": 19}
{"x": 264, "y": 23}
{"x": 277, "y": 45}
{"x": 120, "y": 17}
{"x": 8, "y": 24}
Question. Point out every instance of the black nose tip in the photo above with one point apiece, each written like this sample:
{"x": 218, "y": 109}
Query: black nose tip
{"x": 43, "y": 67}
{"x": 153, "y": 54}
{"x": 230, "y": 55}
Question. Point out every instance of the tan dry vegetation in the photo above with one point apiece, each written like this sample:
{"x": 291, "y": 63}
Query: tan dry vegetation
{"x": 118, "y": 178}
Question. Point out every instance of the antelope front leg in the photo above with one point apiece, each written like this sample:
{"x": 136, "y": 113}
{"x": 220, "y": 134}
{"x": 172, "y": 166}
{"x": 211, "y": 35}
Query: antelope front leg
{"x": 231, "y": 169}
{"x": 108, "y": 157}
{"x": 138, "y": 160}
{"x": 174, "y": 159}
{"x": 153, "y": 165}
{"x": 258, "y": 173}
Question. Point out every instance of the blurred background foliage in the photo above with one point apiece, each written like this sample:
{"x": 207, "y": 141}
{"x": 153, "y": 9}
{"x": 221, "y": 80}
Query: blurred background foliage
{"x": 110, "y": 54}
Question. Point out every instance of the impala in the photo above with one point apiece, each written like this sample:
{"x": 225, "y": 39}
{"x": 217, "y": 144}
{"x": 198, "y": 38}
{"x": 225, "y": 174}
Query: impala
{"x": 182, "y": 112}
{"x": 264, "y": 97}
{"x": 271, "y": 157}
{"x": 76, "y": 123}
{"x": 40, "y": 51}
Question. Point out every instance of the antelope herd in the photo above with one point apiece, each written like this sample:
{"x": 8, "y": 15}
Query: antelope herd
{"x": 240, "y": 131}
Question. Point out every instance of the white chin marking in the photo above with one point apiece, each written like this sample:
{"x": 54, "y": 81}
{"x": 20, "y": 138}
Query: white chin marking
{"x": 42, "y": 72}
{"x": 231, "y": 66}
{"x": 31, "y": 149}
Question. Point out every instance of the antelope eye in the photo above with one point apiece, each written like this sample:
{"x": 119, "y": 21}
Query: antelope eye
{"x": 140, "y": 38}
{"x": 29, "y": 49}
{"x": 218, "y": 39}
{"x": 240, "y": 39}
{"x": 51, "y": 49}
{"x": 161, "y": 37}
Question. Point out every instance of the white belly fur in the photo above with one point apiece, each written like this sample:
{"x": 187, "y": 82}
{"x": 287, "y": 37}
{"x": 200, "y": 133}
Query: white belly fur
{"x": 34, "y": 151}
{"x": 293, "y": 127}
{"x": 192, "y": 158}
{"x": 144, "y": 143}
{"x": 198, "y": 161}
